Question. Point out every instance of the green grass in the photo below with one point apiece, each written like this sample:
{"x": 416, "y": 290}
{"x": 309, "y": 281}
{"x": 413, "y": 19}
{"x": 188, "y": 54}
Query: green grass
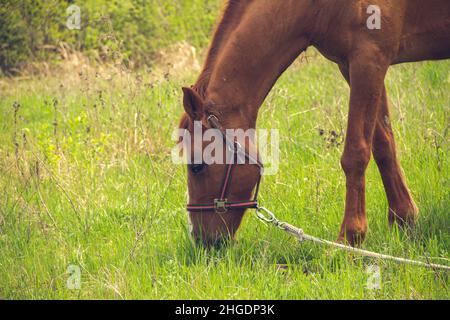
{"x": 91, "y": 183}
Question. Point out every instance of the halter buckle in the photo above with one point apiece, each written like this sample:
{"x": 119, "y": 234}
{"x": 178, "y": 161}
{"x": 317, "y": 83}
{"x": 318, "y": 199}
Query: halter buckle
{"x": 220, "y": 205}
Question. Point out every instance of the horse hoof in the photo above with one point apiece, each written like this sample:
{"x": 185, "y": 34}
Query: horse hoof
{"x": 405, "y": 218}
{"x": 353, "y": 236}
{"x": 354, "y": 240}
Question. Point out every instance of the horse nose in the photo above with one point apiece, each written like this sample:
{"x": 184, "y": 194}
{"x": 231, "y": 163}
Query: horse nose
{"x": 210, "y": 237}
{"x": 213, "y": 228}
{"x": 216, "y": 240}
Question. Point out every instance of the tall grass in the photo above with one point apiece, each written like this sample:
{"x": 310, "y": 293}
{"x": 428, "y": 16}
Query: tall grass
{"x": 87, "y": 180}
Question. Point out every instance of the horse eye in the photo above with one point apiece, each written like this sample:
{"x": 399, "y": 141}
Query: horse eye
{"x": 197, "y": 168}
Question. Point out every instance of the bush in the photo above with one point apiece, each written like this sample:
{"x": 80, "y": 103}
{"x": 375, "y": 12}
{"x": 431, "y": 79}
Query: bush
{"x": 130, "y": 31}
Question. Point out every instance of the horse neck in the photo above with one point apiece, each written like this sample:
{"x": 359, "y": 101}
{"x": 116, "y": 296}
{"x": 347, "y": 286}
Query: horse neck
{"x": 255, "y": 54}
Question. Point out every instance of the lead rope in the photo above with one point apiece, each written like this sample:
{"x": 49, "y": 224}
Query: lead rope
{"x": 302, "y": 236}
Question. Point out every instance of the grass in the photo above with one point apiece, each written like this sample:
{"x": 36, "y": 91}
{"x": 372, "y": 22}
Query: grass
{"x": 87, "y": 180}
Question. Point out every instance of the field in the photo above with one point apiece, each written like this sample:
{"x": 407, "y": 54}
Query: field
{"x": 87, "y": 182}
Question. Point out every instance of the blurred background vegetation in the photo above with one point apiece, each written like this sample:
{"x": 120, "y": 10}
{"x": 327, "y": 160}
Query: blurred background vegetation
{"x": 129, "y": 31}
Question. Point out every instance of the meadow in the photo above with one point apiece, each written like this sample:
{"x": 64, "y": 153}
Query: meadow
{"x": 87, "y": 181}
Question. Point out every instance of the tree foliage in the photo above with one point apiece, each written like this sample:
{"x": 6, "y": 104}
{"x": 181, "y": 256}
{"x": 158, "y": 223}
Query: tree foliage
{"x": 129, "y": 30}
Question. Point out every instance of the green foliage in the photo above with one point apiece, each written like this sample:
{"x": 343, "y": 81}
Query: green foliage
{"x": 14, "y": 47}
{"x": 129, "y": 31}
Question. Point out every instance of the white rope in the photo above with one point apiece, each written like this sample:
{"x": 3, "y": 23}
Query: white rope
{"x": 302, "y": 236}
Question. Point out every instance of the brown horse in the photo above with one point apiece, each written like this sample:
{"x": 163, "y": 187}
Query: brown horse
{"x": 253, "y": 45}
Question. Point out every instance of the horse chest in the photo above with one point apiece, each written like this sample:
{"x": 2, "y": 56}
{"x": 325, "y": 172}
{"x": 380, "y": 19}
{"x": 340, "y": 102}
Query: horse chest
{"x": 332, "y": 53}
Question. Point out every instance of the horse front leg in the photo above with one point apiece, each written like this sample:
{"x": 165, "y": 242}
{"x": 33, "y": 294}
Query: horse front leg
{"x": 367, "y": 71}
{"x": 402, "y": 208}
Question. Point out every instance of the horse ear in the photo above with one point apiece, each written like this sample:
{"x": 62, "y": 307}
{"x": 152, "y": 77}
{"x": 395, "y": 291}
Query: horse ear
{"x": 193, "y": 104}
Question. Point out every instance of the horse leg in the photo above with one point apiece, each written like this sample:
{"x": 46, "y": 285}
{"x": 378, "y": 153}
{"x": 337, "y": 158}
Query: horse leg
{"x": 367, "y": 70}
{"x": 402, "y": 208}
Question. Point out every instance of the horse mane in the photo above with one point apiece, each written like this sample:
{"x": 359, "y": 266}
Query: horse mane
{"x": 231, "y": 17}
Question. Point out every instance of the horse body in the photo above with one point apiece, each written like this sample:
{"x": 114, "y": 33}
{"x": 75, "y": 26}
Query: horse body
{"x": 254, "y": 44}
{"x": 411, "y": 30}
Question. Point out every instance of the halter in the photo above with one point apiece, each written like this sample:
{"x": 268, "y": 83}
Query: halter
{"x": 221, "y": 204}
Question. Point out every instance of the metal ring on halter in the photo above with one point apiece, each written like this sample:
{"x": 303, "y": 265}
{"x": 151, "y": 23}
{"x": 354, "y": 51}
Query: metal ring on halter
{"x": 212, "y": 119}
{"x": 211, "y": 116}
{"x": 271, "y": 217}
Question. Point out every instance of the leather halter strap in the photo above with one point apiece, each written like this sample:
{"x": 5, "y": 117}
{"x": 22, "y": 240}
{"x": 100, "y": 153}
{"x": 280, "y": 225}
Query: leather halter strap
{"x": 221, "y": 204}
